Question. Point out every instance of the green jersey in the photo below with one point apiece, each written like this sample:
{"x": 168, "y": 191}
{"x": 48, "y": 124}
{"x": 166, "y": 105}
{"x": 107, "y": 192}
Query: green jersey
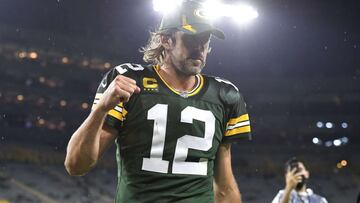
{"x": 167, "y": 140}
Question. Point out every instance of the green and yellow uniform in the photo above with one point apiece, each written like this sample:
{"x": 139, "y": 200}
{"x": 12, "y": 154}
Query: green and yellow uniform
{"x": 168, "y": 140}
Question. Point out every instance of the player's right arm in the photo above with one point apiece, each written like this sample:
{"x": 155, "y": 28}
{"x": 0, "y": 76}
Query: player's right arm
{"x": 93, "y": 137}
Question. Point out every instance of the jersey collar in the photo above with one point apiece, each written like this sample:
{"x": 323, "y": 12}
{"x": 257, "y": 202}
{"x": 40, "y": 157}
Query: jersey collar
{"x": 194, "y": 91}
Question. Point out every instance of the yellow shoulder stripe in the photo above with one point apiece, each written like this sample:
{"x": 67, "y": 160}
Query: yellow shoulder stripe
{"x": 121, "y": 104}
{"x": 234, "y": 121}
{"x": 244, "y": 129}
{"x": 116, "y": 114}
{"x": 120, "y": 115}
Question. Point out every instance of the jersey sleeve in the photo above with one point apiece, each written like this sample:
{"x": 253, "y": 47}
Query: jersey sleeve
{"x": 237, "y": 119}
{"x": 117, "y": 115}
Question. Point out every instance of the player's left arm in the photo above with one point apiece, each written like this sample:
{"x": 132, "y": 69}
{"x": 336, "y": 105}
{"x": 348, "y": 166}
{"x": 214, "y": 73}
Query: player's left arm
{"x": 225, "y": 187}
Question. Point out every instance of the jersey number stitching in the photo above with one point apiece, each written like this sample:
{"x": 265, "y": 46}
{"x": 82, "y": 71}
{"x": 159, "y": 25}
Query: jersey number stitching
{"x": 155, "y": 163}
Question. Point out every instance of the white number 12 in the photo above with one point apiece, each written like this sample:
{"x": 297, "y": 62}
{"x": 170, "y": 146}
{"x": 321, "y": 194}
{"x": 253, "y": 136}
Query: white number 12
{"x": 155, "y": 163}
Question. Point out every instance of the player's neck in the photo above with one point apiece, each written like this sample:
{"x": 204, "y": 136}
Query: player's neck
{"x": 176, "y": 80}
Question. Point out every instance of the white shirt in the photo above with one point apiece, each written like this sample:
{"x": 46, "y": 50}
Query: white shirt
{"x": 300, "y": 197}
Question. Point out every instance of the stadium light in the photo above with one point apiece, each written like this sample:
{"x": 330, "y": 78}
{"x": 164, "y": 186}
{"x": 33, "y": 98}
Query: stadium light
{"x": 243, "y": 13}
{"x": 166, "y": 6}
{"x": 337, "y": 142}
{"x": 315, "y": 140}
{"x": 343, "y": 163}
{"x": 20, "y": 97}
{"x": 344, "y": 140}
{"x": 33, "y": 55}
{"x": 320, "y": 124}
{"x": 329, "y": 125}
{"x": 328, "y": 144}
{"x": 213, "y": 9}
{"x": 344, "y": 125}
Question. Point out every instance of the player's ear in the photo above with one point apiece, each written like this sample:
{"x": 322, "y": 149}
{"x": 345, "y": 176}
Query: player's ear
{"x": 166, "y": 41}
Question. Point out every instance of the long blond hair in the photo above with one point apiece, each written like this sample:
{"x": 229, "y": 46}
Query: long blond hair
{"x": 154, "y": 52}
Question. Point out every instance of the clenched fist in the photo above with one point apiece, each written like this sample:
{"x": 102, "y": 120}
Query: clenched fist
{"x": 119, "y": 90}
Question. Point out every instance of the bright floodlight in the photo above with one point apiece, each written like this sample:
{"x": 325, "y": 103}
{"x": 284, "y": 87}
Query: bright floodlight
{"x": 344, "y": 140}
{"x": 212, "y": 9}
{"x": 320, "y": 124}
{"x": 329, "y": 125}
{"x": 243, "y": 13}
{"x": 344, "y": 125}
{"x": 166, "y": 6}
{"x": 240, "y": 13}
{"x": 315, "y": 140}
{"x": 337, "y": 142}
{"x": 343, "y": 162}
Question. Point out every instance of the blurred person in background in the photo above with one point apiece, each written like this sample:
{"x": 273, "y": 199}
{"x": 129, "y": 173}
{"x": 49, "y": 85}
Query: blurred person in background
{"x": 296, "y": 190}
{"x": 173, "y": 127}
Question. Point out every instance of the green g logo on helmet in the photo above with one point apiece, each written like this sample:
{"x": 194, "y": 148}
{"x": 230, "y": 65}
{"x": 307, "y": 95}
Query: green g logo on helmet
{"x": 191, "y": 18}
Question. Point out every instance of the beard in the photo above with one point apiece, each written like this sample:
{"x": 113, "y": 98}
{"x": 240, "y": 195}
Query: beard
{"x": 189, "y": 66}
{"x": 193, "y": 66}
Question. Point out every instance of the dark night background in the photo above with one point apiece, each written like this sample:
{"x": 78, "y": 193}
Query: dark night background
{"x": 297, "y": 64}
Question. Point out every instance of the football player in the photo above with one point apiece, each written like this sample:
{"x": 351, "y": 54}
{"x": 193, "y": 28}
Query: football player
{"x": 173, "y": 126}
